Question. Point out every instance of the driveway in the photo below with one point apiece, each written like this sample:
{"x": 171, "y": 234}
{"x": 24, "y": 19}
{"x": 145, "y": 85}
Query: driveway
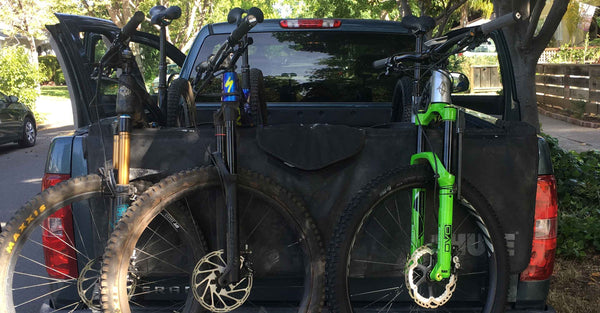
{"x": 571, "y": 137}
{"x": 22, "y": 168}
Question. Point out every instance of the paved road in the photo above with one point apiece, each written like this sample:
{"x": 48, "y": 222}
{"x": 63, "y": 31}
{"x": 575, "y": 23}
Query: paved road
{"x": 22, "y": 169}
{"x": 571, "y": 137}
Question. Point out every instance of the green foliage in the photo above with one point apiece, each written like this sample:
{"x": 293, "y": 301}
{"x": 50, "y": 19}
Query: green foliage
{"x": 50, "y": 70}
{"x": 577, "y": 177}
{"x": 18, "y": 77}
{"x": 570, "y": 54}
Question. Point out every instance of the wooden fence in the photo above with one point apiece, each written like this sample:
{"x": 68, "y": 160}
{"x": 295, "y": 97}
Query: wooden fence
{"x": 572, "y": 87}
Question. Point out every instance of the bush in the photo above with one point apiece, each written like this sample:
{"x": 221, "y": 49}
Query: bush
{"x": 577, "y": 177}
{"x": 18, "y": 77}
{"x": 50, "y": 70}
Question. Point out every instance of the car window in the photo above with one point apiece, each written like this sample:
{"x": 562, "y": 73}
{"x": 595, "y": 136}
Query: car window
{"x": 146, "y": 61}
{"x": 481, "y": 66}
{"x": 314, "y": 66}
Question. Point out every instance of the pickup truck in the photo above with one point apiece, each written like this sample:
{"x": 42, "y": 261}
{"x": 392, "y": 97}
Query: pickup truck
{"x": 317, "y": 74}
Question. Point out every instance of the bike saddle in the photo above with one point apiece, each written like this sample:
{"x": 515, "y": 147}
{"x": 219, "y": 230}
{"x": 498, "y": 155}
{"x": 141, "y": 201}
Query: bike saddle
{"x": 162, "y": 16}
{"x": 421, "y": 24}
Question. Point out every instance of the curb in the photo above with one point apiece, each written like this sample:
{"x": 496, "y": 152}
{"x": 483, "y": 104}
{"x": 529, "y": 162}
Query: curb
{"x": 569, "y": 119}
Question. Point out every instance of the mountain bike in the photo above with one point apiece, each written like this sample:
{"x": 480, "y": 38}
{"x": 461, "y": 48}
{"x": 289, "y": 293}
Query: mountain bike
{"x": 51, "y": 248}
{"x": 265, "y": 247}
{"x": 450, "y": 255}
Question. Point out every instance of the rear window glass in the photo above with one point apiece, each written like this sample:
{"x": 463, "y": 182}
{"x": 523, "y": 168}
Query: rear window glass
{"x": 317, "y": 66}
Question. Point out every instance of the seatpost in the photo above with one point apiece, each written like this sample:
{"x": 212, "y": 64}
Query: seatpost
{"x": 162, "y": 69}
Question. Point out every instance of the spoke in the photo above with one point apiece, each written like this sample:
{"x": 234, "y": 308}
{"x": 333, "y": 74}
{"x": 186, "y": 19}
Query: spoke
{"x": 95, "y": 224}
{"x": 37, "y": 285}
{"x": 69, "y": 245}
{"x": 59, "y": 252}
{"x": 384, "y": 296}
{"x": 151, "y": 236}
{"x": 373, "y": 291}
{"x": 375, "y": 262}
{"x": 472, "y": 273}
{"x": 392, "y": 215}
{"x": 74, "y": 304}
{"x": 391, "y": 302}
{"x": 45, "y": 266}
{"x": 382, "y": 227}
{"x": 135, "y": 303}
{"x": 400, "y": 226}
{"x": 165, "y": 262}
{"x": 79, "y": 233}
{"x": 381, "y": 244}
{"x": 57, "y": 280}
{"x": 44, "y": 295}
{"x": 150, "y": 256}
{"x": 256, "y": 227}
{"x": 143, "y": 293}
{"x": 165, "y": 240}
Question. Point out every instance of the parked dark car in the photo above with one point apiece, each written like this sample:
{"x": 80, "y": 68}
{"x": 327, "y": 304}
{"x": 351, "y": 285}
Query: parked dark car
{"x": 319, "y": 73}
{"x": 17, "y": 123}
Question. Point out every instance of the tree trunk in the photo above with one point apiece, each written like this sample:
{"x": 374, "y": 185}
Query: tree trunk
{"x": 526, "y": 47}
{"x": 524, "y": 71}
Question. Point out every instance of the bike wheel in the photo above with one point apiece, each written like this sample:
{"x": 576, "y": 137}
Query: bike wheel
{"x": 286, "y": 249}
{"x": 51, "y": 249}
{"x": 48, "y": 249}
{"x": 258, "y": 103}
{"x": 371, "y": 246}
{"x": 181, "y": 108}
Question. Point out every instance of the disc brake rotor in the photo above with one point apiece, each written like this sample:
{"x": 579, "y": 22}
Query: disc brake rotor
{"x": 88, "y": 284}
{"x": 418, "y": 267}
{"x": 208, "y": 292}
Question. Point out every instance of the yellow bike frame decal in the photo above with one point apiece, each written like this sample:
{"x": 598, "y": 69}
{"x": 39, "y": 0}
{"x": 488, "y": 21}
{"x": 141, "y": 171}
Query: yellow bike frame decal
{"x": 229, "y": 84}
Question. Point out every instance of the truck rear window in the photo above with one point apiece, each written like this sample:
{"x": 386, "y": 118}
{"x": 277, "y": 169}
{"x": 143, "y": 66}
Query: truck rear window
{"x": 313, "y": 66}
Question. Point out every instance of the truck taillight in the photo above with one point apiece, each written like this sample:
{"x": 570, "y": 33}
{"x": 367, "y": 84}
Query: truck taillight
{"x": 543, "y": 249}
{"x": 311, "y": 23}
{"x": 57, "y": 236}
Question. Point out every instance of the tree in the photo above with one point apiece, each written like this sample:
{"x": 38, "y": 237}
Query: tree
{"x": 25, "y": 18}
{"x": 526, "y": 44}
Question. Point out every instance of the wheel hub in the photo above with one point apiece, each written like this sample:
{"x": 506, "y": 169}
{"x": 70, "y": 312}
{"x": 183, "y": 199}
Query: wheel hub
{"x": 209, "y": 293}
{"x": 418, "y": 282}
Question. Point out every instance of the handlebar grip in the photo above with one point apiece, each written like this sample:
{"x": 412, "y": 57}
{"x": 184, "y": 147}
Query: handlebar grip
{"x": 133, "y": 23}
{"x": 258, "y": 13}
{"x": 502, "y": 21}
{"x": 247, "y": 23}
{"x": 379, "y": 64}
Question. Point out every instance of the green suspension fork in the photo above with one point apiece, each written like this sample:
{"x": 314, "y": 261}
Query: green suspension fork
{"x": 445, "y": 180}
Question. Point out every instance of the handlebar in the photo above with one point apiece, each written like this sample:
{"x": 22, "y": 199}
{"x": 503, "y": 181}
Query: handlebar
{"x": 460, "y": 37}
{"x": 502, "y": 21}
{"x": 123, "y": 36}
{"x": 255, "y": 16}
{"x": 130, "y": 27}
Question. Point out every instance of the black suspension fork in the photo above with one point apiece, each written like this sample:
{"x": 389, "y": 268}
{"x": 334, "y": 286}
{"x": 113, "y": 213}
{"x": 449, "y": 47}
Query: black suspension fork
{"x": 229, "y": 180}
{"x": 225, "y": 160}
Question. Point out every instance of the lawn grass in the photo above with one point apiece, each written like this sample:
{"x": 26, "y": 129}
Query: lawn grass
{"x": 55, "y": 91}
{"x": 575, "y": 285}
